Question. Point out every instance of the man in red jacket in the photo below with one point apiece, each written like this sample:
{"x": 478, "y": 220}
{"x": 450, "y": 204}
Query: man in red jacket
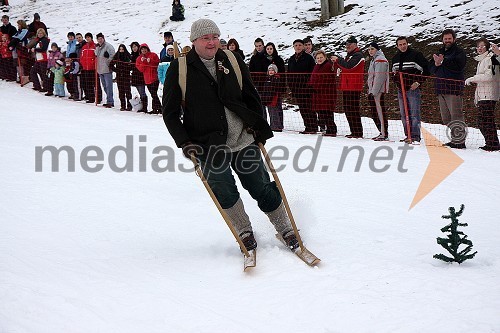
{"x": 147, "y": 63}
{"x": 351, "y": 84}
{"x": 90, "y": 81}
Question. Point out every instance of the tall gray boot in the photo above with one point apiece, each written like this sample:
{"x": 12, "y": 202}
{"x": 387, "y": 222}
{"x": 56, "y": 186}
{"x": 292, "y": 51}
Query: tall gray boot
{"x": 239, "y": 218}
{"x": 279, "y": 218}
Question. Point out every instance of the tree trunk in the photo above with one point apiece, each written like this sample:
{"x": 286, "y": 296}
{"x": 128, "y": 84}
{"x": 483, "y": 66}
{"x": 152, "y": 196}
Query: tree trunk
{"x": 341, "y": 7}
{"x": 334, "y": 7}
{"x": 325, "y": 10}
{"x": 331, "y": 8}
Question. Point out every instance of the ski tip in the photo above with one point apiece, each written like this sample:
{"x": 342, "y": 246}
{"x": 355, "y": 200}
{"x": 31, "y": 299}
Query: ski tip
{"x": 251, "y": 261}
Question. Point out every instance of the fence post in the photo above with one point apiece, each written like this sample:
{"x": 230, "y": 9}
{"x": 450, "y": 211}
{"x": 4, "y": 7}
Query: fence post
{"x": 405, "y": 103}
{"x": 96, "y": 88}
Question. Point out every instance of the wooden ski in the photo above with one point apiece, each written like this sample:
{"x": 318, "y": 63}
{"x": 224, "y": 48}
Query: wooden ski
{"x": 304, "y": 254}
{"x": 250, "y": 261}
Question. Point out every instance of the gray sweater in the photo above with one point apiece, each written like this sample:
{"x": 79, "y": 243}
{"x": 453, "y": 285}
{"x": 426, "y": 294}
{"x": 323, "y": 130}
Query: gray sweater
{"x": 102, "y": 61}
{"x": 237, "y": 136}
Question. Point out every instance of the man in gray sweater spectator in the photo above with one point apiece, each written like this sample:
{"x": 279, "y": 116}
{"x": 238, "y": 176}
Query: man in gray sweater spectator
{"x": 104, "y": 53}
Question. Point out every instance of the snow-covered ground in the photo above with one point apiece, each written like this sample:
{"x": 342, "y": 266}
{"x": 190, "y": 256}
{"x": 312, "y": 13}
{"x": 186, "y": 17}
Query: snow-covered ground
{"x": 149, "y": 252}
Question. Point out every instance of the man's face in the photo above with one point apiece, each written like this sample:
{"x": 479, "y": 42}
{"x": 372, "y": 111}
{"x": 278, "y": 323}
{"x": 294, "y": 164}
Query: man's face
{"x": 88, "y": 39}
{"x": 100, "y": 40}
{"x": 350, "y": 47}
{"x": 308, "y": 46}
{"x": 5, "y": 21}
{"x": 168, "y": 39}
{"x": 206, "y": 46}
{"x": 258, "y": 46}
{"x": 448, "y": 40}
{"x": 402, "y": 45}
{"x": 79, "y": 38}
{"x": 298, "y": 47}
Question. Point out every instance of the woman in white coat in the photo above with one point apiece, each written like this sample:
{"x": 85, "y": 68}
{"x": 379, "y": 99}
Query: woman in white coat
{"x": 378, "y": 86}
{"x": 487, "y": 93}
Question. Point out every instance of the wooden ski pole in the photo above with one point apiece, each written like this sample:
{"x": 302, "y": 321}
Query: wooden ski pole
{"x": 199, "y": 172}
{"x": 282, "y": 192}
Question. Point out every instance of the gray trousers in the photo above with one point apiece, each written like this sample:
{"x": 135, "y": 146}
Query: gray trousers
{"x": 452, "y": 115}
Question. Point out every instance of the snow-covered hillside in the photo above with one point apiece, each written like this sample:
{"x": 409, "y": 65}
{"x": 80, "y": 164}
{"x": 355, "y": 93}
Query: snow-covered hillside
{"x": 148, "y": 251}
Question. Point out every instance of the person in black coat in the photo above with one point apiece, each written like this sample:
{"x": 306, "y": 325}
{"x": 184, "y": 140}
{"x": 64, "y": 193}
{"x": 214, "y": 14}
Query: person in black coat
{"x": 222, "y": 124}
{"x": 121, "y": 65}
{"x": 137, "y": 79}
{"x": 300, "y": 65}
{"x": 7, "y": 28}
{"x": 177, "y": 11}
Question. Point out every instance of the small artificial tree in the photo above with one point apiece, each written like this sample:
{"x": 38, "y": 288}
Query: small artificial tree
{"x": 455, "y": 239}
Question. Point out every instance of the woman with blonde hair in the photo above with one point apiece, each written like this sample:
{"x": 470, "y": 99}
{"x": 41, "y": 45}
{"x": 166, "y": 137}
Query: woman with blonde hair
{"x": 40, "y": 68}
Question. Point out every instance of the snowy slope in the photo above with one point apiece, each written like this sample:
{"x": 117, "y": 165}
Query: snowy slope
{"x": 148, "y": 251}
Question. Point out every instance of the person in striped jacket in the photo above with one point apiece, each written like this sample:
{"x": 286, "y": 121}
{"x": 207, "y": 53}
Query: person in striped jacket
{"x": 413, "y": 67}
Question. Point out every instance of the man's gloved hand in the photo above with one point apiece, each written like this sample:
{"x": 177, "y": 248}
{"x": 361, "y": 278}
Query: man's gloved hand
{"x": 468, "y": 81}
{"x": 189, "y": 148}
{"x": 106, "y": 54}
{"x": 256, "y": 135}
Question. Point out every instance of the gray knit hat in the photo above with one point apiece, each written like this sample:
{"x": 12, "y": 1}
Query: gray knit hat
{"x": 203, "y": 27}
{"x": 274, "y": 67}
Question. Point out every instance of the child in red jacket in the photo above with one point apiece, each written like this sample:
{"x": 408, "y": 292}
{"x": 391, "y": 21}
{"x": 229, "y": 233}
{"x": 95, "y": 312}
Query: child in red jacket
{"x": 147, "y": 62}
{"x": 7, "y": 66}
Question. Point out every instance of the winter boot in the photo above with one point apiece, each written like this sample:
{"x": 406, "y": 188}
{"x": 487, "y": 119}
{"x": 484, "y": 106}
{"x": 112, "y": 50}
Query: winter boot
{"x": 248, "y": 240}
{"x": 291, "y": 241}
{"x": 144, "y": 101}
{"x": 241, "y": 223}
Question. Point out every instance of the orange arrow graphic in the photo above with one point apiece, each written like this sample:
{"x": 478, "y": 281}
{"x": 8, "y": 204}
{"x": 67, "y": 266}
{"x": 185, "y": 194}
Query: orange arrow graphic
{"x": 442, "y": 162}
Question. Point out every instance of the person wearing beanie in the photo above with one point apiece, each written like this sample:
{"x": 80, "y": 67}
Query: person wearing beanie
{"x": 221, "y": 127}
{"x": 300, "y": 65}
{"x": 352, "y": 68}
{"x": 168, "y": 39}
{"x": 273, "y": 88}
{"x": 223, "y": 44}
{"x": 275, "y": 111}
{"x": 104, "y": 53}
{"x": 177, "y": 11}
{"x": 165, "y": 63}
{"x": 54, "y": 55}
{"x": 378, "y": 86}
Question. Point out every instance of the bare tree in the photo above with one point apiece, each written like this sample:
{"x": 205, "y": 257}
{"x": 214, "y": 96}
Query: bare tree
{"x": 330, "y": 8}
